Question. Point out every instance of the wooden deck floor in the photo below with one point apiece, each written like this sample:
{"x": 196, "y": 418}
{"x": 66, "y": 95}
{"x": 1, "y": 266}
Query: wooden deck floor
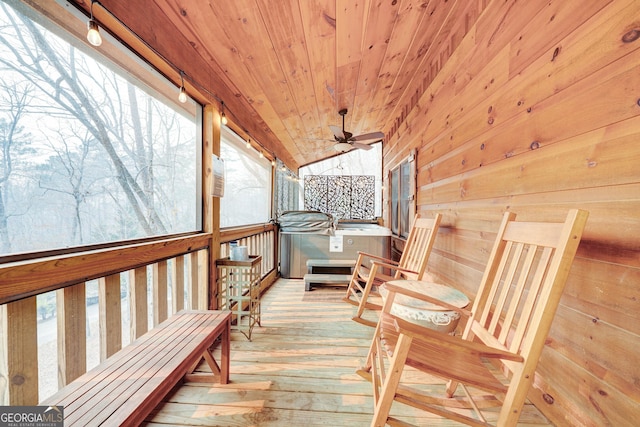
{"x": 298, "y": 370}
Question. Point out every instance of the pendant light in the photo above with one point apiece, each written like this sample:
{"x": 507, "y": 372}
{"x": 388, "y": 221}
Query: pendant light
{"x": 93, "y": 35}
{"x": 223, "y": 119}
{"x": 182, "y": 97}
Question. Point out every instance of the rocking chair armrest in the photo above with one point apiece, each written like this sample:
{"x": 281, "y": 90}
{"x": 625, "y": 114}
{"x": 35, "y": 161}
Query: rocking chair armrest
{"x": 395, "y": 267}
{"x": 426, "y": 298}
{"x": 376, "y": 257}
{"x": 455, "y": 344}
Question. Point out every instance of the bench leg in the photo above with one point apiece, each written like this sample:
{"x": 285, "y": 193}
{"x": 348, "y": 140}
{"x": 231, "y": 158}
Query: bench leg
{"x": 194, "y": 366}
{"x": 221, "y": 372}
{"x": 208, "y": 357}
{"x": 225, "y": 353}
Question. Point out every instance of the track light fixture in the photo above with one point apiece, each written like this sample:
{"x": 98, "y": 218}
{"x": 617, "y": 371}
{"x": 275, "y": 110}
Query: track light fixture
{"x": 223, "y": 118}
{"x": 248, "y": 143}
{"x": 93, "y": 35}
{"x": 182, "y": 97}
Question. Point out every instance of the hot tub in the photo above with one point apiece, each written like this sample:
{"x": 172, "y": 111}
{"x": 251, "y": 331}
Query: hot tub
{"x": 296, "y": 247}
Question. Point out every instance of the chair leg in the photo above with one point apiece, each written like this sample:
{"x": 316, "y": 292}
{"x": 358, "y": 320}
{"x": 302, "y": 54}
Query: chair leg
{"x": 353, "y": 281}
{"x": 365, "y": 295}
{"x": 356, "y": 285}
{"x": 451, "y": 388}
{"x": 376, "y": 372}
{"x": 365, "y": 371}
{"x": 391, "y": 381}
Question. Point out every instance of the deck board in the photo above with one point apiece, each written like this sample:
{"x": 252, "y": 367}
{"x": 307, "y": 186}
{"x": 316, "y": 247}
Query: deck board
{"x": 298, "y": 370}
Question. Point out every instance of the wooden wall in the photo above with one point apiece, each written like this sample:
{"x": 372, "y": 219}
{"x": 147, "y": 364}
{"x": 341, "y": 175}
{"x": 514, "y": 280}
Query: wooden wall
{"x": 535, "y": 108}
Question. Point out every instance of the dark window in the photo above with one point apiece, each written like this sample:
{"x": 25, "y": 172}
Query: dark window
{"x": 402, "y": 193}
{"x": 395, "y": 189}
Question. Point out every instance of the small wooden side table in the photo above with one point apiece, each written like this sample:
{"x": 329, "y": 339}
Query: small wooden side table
{"x": 238, "y": 285}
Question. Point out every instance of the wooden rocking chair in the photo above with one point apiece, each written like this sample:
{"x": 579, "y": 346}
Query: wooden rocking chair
{"x": 504, "y": 334}
{"x": 371, "y": 270}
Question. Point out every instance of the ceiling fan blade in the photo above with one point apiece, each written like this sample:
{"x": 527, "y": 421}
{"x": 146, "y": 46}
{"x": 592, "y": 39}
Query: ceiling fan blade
{"x": 318, "y": 139}
{"x": 337, "y": 132}
{"x": 367, "y": 136}
{"x": 361, "y": 146}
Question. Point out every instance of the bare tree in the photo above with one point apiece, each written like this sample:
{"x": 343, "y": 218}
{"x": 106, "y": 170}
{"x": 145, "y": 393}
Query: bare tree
{"x": 67, "y": 173}
{"x": 12, "y": 141}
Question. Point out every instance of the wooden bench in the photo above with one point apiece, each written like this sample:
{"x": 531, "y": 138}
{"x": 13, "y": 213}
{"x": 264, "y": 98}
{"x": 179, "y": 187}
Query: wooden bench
{"x": 326, "y": 279}
{"x": 125, "y": 388}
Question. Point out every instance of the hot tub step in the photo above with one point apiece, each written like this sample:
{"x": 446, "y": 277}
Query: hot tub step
{"x": 330, "y": 266}
{"x": 325, "y": 278}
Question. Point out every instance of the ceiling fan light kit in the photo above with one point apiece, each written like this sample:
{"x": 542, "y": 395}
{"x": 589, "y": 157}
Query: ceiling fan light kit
{"x": 342, "y": 147}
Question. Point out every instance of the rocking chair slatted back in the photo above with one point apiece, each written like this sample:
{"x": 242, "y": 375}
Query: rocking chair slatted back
{"x": 521, "y": 276}
{"x": 420, "y": 241}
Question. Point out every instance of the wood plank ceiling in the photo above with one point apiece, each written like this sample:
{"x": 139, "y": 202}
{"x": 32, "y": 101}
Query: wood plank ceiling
{"x": 285, "y": 68}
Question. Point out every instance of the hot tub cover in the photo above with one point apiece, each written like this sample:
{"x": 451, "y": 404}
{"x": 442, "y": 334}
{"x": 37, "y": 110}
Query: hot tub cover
{"x": 306, "y": 221}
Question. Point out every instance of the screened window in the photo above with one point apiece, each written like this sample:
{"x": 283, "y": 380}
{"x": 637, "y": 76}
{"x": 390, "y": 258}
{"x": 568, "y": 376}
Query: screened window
{"x": 247, "y": 192}
{"x": 90, "y": 153}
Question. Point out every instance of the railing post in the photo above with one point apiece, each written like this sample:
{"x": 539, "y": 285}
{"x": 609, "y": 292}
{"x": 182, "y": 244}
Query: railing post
{"x": 159, "y": 292}
{"x": 177, "y": 284}
{"x": 211, "y": 205}
{"x": 19, "y": 353}
{"x": 72, "y": 333}
{"x": 193, "y": 280}
{"x": 139, "y": 313}
{"x": 110, "y": 315}
{"x": 203, "y": 279}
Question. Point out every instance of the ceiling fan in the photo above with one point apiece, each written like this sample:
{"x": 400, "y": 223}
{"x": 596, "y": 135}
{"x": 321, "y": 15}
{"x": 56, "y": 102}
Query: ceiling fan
{"x": 346, "y": 140}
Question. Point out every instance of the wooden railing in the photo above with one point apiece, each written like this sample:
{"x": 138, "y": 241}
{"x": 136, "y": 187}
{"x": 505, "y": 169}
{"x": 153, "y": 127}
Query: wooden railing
{"x": 260, "y": 240}
{"x": 154, "y": 279}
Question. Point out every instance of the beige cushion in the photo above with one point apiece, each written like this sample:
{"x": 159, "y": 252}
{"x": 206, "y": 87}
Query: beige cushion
{"x": 424, "y": 313}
